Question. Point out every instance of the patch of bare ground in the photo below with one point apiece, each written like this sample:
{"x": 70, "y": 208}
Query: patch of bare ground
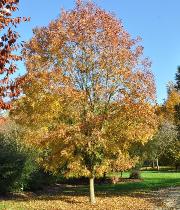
{"x": 169, "y": 198}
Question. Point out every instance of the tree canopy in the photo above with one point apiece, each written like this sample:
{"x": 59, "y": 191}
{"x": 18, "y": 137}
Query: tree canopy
{"x": 9, "y": 87}
{"x": 89, "y": 92}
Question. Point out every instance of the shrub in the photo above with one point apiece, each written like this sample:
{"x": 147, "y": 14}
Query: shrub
{"x": 39, "y": 179}
{"x": 18, "y": 167}
{"x": 135, "y": 174}
{"x": 115, "y": 180}
{"x": 12, "y": 162}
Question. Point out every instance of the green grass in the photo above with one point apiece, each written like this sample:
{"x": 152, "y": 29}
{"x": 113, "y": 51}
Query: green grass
{"x": 151, "y": 180}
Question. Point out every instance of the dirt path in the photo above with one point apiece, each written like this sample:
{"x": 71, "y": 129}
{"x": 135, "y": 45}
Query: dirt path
{"x": 170, "y": 198}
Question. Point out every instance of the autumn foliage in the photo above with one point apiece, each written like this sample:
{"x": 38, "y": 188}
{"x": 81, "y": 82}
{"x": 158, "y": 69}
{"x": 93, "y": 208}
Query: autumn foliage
{"x": 89, "y": 93}
{"x": 172, "y": 112}
{"x": 8, "y": 45}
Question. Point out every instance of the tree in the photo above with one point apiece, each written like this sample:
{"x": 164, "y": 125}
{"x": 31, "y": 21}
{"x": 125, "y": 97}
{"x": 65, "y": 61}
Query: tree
{"x": 171, "y": 104}
{"x": 165, "y": 137}
{"x": 123, "y": 163}
{"x": 88, "y": 93}
{"x": 8, "y": 44}
{"x": 173, "y": 151}
{"x": 177, "y": 105}
{"x": 177, "y": 78}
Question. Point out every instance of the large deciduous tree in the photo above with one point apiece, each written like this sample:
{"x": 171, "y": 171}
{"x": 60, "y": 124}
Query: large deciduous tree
{"x": 8, "y": 45}
{"x": 166, "y": 141}
{"x": 88, "y": 93}
{"x": 172, "y": 111}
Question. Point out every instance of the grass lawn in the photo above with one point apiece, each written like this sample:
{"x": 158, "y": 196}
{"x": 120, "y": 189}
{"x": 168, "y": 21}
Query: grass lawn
{"x": 152, "y": 180}
{"x": 122, "y": 196}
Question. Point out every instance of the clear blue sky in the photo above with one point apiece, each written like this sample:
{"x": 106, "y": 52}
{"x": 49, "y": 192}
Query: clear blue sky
{"x": 156, "y": 21}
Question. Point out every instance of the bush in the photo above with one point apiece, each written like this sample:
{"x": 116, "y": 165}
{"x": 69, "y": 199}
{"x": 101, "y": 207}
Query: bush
{"x": 32, "y": 176}
{"x": 12, "y": 162}
{"x": 18, "y": 168}
{"x": 115, "y": 180}
{"x": 135, "y": 174}
{"x": 39, "y": 179}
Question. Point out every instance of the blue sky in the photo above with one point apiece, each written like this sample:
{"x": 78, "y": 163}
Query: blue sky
{"x": 156, "y": 21}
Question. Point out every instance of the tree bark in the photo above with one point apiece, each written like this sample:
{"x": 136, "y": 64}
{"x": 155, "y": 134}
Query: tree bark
{"x": 91, "y": 188}
{"x": 153, "y": 164}
{"x": 157, "y": 164}
{"x": 104, "y": 175}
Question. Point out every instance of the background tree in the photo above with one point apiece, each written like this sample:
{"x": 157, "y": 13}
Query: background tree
{"x": 173, "y": 151}
{"x": 177, "y": 79}
{"x": 177, "y": 105}
{"x": 171, "y": 105}
{"x": 8, "y": 45}
{"x": 88, "y": 93}
{"x": 171, "y": 113}
{"x": 165, "y": 138}
{"x": 123, "y": 162}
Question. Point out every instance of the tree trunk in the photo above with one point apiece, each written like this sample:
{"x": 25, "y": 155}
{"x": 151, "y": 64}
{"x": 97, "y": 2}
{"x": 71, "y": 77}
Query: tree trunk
{"x": 157, "y": 164}
{"x": 153, "y": 164}
{"x": 121, "y": 174}
{"x": 91, "y": 188}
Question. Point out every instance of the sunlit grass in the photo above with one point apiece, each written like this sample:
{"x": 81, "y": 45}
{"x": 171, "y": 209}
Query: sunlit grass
{"x": 151, "y": 180}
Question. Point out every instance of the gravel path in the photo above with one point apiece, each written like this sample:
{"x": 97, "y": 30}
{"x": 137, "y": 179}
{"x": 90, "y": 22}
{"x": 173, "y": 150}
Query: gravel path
{"x": 170, "y": 198}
